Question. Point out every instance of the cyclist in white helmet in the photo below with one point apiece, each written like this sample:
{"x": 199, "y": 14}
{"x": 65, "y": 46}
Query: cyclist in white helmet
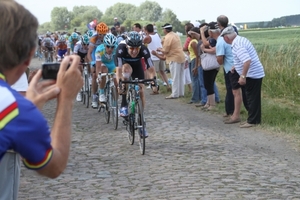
{"x": 105, "y": 61}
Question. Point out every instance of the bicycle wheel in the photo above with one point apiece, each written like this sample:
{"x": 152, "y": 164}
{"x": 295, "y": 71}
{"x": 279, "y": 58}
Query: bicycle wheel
{"x": 139, "y": 118}
{"x": 86, "y": 91}
{"x": 114, "y": 106}
{"x": 107, "y": 108}
{"x": 131, "y": 118}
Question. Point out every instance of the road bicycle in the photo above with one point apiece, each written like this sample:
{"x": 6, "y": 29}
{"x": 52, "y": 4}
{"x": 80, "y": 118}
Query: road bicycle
{"x": 110, "y": 107}
{"x": 48, "y": 55}
{"x": 86, "y": 89}
{"x": 135, "y": 120}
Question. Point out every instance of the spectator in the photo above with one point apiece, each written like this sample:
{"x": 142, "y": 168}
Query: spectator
{"x": 172, "y": 49}
{"x": 42, "y": 150}
{"x": 193, "y": 67}
{"x": 154, "y": 42}
{"x": 250, "y": 71}
{"x": 116, "y": 23}
{"x": 209, "y": 76}
{"x": 10, "y": 164}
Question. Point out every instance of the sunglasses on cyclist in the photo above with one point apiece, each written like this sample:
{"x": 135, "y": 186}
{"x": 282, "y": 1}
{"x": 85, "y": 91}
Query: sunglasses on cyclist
{"x": 133, "y": 48}
{"x": 85, "y": 44}
{"x": 109, "y": 47}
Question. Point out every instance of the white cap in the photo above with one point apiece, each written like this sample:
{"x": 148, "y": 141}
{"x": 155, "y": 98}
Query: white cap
{"x": 196, "y": 24}
{"x": 115, "y": 18}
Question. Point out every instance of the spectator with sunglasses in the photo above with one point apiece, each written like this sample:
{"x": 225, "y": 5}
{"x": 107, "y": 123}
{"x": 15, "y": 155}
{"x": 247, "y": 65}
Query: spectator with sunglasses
{"x": 131, "y": 52}
{"x": 105, "y": 62}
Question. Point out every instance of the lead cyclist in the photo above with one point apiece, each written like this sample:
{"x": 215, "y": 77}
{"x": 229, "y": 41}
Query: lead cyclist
{"x": 129, "y": 56}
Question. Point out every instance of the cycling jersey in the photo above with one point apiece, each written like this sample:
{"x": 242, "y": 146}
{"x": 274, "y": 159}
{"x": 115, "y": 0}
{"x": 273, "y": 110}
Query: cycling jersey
{"x": 23, "y": 128}
{"x": 80, "y": 48}
{"x": 107, "y": 60}
{"x": 61, "y": 45}
{"x": 95, "y": 41}
{"x": 48, "y": 42}
{"x": 135, "y": 63}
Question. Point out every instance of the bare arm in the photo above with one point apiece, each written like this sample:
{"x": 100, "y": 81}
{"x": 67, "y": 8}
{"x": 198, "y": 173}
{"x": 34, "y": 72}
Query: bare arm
{"x": 220, "y": 60}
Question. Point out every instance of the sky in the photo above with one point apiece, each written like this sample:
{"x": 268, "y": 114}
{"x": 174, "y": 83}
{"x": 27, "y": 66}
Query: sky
{"x": 236, "y": 10}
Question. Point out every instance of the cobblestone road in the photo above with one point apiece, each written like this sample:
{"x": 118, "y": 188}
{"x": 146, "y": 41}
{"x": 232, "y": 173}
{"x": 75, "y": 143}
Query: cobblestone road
{"x": 190, "y": 154}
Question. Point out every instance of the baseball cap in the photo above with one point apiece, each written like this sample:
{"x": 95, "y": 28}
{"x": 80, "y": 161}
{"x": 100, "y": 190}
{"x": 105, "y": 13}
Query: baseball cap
{"x": 115, "y": 18}
{"x": 167, "y": 26}
{"x": 227, "y": 30}
{"x": 196, "y": 24}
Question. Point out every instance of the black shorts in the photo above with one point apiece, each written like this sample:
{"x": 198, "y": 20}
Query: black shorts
{"x": 82, "y": 56}
{"x": 137, "y": 70}
{"x": 234, "y": 80}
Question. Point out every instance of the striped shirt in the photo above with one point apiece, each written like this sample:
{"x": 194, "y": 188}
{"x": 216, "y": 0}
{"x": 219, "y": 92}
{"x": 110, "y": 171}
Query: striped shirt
{"x": 243, "y": 50}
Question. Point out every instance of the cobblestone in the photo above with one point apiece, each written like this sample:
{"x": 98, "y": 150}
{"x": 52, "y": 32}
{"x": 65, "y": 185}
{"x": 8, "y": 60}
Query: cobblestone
{"x": 190, "y": 154}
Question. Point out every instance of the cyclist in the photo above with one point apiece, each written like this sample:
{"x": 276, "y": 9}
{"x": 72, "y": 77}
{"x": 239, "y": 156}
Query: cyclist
{"x": 81, "y": 49}
{"x": 105, "y": 62}
{"x": 73, "y": 39}
{"x": 129, "y": 55}
{"x": 61, "y": 48}
{"x": 48, "y": 47}
{"x": 95, "y": 41}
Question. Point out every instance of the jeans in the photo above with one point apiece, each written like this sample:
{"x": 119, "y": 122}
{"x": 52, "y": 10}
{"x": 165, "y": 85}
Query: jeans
{"x": 203, "y": 90}
{"x": 196, "y": 95}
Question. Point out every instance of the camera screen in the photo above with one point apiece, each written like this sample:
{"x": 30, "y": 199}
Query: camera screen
{"x": 50, "y": 70}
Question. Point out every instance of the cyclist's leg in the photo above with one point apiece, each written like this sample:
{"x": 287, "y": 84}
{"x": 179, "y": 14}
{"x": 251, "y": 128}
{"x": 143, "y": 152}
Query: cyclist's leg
{"x": 94, "y": 87}
{"x": 138, "y": 72}
{"x": 126, "y": 74}
{"x": 102, "y": 82}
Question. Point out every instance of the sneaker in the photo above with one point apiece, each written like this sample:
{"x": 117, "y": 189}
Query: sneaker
{"x": 95, "y": 101}
{"x": 79, "y": 97}
{"x": 102, "y": 98}
{"x": 149, "y": 86}
{"x": 146, "y": 133}
{"x": 165, "y": 84}
{"x": 124, "y": 112}
{"x": 94, "y": 104}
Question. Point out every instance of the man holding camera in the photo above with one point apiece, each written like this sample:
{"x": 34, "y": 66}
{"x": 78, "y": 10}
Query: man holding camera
{"x": 43, "y": 150}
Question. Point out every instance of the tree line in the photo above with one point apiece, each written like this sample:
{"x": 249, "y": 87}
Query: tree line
{"x": 127, "y": 14}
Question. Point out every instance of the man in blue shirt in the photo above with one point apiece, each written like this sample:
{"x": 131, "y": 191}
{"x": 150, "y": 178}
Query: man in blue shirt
{"x": 23, "y": 129}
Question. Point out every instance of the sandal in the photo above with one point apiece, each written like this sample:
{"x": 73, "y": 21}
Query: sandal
{"x": 170, "y": 97}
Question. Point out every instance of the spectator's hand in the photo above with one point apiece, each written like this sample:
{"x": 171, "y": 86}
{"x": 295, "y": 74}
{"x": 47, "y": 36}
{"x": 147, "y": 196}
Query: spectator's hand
{"x": 69, "y": 80}
{"x": 232, "y": 69}
{"x": 195, "y": 71}
{"x": 242, "y": 81}
{"x": 153, "y": 52}
{"x": 159, "y": 49}
{"x": 203, "y": 28}
{"x": 39, "y": 92}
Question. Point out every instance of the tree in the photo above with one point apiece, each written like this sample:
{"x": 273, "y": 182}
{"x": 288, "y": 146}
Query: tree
{"x": 122, "y": 11}
{"x": 169, "y": 17}
{"x": 150, "y": 11}
{"x": 87, "y": 13}
{"x": 60, "y": 17}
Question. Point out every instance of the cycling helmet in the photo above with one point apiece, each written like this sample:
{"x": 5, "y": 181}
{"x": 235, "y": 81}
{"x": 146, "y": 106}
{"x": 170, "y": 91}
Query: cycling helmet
{"x": 74, "y": 36}
{"x": 61, "y": 38}
{"x": 85, "y": 39}
{"x": 134, "y": 39}
{"x": 110, "y": 40}
{"x": 102, "y": 28}
{"x": 90, "y": 33}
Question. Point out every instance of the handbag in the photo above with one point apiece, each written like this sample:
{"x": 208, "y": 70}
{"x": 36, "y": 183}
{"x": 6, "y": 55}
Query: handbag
{"x": 209, "y": 61}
